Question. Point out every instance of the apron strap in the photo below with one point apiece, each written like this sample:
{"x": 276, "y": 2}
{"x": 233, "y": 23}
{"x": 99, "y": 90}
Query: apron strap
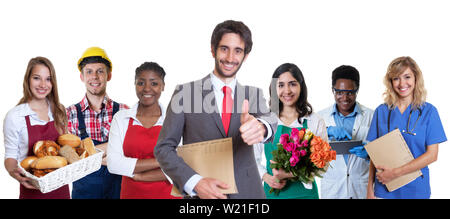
{"x": 116, "y": 108}
{"x": 27, "y": 119}
{"x": 305, "y": 124}
{"x": 81, "y": 124}
{"x": 130, "y": 123}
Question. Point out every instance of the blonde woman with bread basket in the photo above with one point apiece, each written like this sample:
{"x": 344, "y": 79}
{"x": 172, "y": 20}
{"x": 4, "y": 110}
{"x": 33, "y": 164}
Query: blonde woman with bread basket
{"x": 38, "y": 116}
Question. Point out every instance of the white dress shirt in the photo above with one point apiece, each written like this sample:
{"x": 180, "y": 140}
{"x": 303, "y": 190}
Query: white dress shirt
{"x": 218, "y": 93}
{"x": 15, "y": 130}
{"x": 118, "y": 163}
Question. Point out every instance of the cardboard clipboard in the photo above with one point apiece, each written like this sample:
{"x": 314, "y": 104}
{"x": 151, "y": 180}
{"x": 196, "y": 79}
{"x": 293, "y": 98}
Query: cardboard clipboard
{"x": 391, "y": 151}
{"x": 343, "y": 147}
{"x": 210, "y": 159}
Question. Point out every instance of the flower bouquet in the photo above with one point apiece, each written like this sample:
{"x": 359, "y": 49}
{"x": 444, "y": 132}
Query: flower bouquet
{"x": 303, "y": 154}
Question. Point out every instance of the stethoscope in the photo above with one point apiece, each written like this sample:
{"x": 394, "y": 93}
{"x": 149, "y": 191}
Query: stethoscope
{"x": 407, "y": 131}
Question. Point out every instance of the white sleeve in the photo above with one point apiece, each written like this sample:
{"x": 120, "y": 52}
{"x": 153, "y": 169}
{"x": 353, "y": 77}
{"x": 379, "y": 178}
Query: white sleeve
{"x": 191, "y": 183}
{"x": 322, "y": 129}
{"x": 116, "y": 160}
{"x": 268, "y": 127}
{"x": 11, "y": 137}
{"x": 260, "y": 158}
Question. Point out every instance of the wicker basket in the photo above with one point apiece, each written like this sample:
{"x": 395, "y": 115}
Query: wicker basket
{"x": 66, "y": 174}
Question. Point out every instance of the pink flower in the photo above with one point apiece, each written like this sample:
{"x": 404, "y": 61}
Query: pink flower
{"x": 289, "y": 147}
{"x": 294, "y": 160}
{"x": 297, "y": 146}
{"x": 302, "y": 153}
{"x": 284, "y": 138}
{"x": 304, "y": 143}
{"x": 294, "y": 135}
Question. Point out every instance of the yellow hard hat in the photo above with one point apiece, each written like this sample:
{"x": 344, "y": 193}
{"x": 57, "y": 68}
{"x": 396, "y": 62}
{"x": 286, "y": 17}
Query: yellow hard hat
{"x": 94, "y": 51}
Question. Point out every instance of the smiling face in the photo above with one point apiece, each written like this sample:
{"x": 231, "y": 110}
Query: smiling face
{"x": 149, "y": 86}
{"x": 345, "y": 101}
{"x": 95, "y": 76}
{"x": 404, "y": 84}
{"x": 288, "y": 89}
{"x": 228, "y": 56}
{"x": 40, "y": 82}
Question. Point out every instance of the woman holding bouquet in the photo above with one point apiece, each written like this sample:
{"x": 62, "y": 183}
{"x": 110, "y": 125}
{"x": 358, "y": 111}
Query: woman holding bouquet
{"x": 405, "y": 108}
{"x": 38, "y": 116}
{"x": 133, "y": 136}
{"x": 291, "y": 105}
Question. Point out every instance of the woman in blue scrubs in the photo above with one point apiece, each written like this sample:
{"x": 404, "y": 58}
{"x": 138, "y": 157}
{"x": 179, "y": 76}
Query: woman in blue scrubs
{"x": 405, "y": 108}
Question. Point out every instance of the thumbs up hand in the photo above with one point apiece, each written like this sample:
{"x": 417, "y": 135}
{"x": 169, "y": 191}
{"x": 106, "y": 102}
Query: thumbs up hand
{"x": 252, "y": 130}
{"x": 245, "y": 116}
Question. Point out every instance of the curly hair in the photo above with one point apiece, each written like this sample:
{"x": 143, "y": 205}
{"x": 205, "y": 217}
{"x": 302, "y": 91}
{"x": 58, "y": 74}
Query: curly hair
{"x": 150, "y": 66}
{"x": 345, "y": 72}
{"x": 397, "y": 67}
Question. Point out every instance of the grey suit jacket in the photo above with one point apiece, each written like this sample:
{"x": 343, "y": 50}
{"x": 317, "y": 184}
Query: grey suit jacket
{"x": 193, "y": 115}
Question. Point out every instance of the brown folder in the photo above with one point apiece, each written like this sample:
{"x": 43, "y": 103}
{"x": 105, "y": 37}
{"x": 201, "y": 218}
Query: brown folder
{"x": 391, "y": 151}
{"x": 210, "y": 159}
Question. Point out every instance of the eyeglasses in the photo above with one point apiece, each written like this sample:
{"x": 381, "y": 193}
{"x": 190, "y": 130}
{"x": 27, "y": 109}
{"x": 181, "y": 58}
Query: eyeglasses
{"x": 340, "y": 93}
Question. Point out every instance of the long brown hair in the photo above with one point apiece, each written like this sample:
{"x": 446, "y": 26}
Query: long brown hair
{"x": 58, "y": 110}
{"x": 302, "y": 106}
{"x": 397, "y": 67}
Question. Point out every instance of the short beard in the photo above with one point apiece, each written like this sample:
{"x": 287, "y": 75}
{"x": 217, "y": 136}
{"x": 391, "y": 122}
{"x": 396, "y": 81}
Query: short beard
{"x": 220, "y": 72}
{"x": 99, "y": 93}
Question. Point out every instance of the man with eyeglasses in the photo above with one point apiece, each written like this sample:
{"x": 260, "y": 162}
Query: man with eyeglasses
{"x": 346, "y": 120}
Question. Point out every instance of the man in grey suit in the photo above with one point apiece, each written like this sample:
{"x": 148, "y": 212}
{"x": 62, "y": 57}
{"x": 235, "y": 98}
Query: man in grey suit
{"x": 215, "y": 107}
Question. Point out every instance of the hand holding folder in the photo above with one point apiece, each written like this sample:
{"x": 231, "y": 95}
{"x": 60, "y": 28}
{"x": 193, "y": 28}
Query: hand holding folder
{"x": 212, "y": 159}
{"x": 391, "y": 151}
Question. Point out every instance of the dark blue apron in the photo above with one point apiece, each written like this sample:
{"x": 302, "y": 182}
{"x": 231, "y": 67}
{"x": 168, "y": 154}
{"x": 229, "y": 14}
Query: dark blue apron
{"x": 100, "y": 184}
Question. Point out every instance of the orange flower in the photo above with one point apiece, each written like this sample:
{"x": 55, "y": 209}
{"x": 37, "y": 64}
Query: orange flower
{"x": 321, "y": 152}
{"x": 316, "y": 140}
{"x": 301, "y": 133}
{"x": 316, "y": 144}
{"x": 317, "y": 160}
{"x": 333, "y": 155}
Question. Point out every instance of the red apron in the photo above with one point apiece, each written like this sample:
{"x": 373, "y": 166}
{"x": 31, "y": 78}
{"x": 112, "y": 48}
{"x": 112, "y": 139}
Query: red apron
{"x": 37, "y": 133}
{"x": 139, "y": 143}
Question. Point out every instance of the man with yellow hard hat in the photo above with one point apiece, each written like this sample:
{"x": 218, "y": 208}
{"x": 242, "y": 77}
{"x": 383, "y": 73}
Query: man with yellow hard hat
{"x": 92, "y": 118}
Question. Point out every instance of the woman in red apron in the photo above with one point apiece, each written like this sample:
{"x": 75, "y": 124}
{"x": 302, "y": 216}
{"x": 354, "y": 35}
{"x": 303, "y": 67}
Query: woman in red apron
{"x": 38, "y": 116}
{"x": 133, "y": 136}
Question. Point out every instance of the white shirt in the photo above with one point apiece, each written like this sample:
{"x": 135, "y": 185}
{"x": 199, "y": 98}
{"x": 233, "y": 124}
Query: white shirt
{"x": 118, "y": 163}
{"x": 15, "y": 131}
{"x": 315, "y": 123}
{"x": 218, "y": 93}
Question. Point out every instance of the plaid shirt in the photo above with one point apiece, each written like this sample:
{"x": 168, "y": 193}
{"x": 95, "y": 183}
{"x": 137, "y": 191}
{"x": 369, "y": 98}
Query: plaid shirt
{"x": 97, "y": 124}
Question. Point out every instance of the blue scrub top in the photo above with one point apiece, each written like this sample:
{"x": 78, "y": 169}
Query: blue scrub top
{"x": 429, "y": 131}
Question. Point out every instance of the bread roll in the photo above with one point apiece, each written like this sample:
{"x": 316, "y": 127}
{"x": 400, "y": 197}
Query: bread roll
{"x": 69, "y": 139}
{"x": 84, "y": 154}
{"x": 45, "y": 148}
{"x": 26, "y": 163}
{"x": 69, "y": 153}
{"x": 49, "y": 162}
{"x": 88, "y": 145}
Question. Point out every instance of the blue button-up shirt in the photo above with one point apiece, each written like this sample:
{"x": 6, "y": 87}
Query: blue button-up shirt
{"x": 346, "y": 122}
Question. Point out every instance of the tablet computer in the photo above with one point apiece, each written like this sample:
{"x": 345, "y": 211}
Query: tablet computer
{"x": 343, "y": 147}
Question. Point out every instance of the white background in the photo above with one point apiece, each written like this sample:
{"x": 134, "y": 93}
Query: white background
{"x": 316, "y": 35}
